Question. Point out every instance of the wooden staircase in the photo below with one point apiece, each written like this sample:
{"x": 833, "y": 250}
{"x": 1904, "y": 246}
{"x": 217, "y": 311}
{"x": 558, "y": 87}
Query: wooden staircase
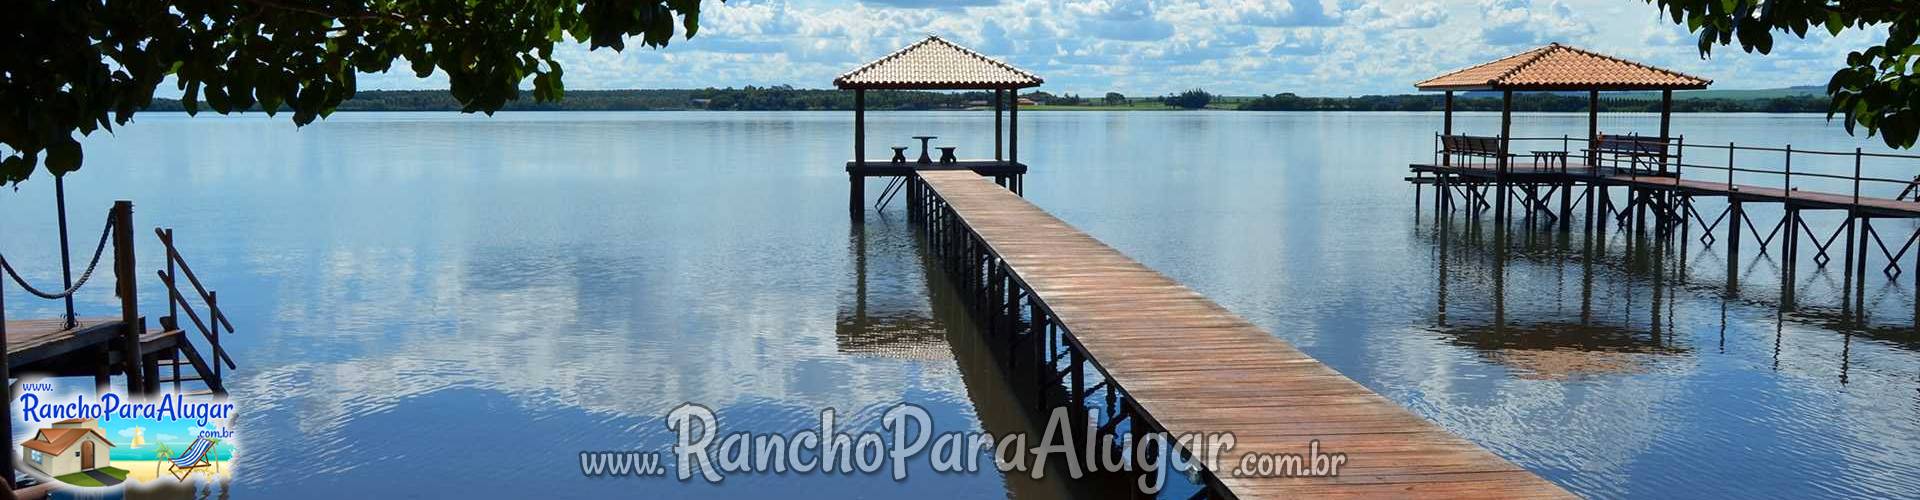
{"x": 167, "y": 352}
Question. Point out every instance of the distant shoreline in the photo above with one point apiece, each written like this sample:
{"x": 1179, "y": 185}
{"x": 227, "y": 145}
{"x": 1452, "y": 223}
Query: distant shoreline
{"x": 1793, "y": 100}
{"x": 1037, "y": 109}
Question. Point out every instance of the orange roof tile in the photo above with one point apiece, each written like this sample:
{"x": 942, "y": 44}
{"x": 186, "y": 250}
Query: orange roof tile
{"x": 1560, "y": 67}
{"x": 936, "y": 64}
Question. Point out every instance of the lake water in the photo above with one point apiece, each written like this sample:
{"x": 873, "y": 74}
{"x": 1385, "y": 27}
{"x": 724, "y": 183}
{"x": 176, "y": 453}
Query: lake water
{"x": 448, "y": 305}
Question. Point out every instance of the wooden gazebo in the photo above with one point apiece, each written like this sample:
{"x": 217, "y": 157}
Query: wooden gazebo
{"x": 1561, "y": 68}
{"x": 1555, "y": 68}
{"x": 935, "y": 64}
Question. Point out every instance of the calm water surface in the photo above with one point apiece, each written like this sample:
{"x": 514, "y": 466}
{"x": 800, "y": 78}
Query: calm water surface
{"x": 438, "y": 304}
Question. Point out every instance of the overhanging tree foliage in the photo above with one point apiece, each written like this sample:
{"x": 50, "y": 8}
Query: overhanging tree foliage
{"x": 1878, "y": 89}
{"x": 76, "y": 66}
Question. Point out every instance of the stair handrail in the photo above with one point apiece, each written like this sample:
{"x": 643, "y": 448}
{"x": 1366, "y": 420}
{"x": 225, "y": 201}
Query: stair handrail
{"x": 177, "y": 301}
{"x": 174, "y": 258}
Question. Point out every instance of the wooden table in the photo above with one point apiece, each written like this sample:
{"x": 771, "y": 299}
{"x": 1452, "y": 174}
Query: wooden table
{"x": 923, "y": 147}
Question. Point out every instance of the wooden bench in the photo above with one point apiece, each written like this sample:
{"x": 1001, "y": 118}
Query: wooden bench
{"x": 1641, "y": 155}
{"x": 1470, "y": 146}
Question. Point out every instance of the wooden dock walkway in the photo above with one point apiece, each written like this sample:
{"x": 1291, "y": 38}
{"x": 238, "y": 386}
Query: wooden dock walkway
{"x": 35, "y": 340}
{"x": 1187, "y": 365}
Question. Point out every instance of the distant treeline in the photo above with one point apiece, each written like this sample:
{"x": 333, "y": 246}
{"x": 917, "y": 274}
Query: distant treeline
{"x": 1535, "y": 102}
{"x": 787, "y": 98}
{"x": 780, "y": 98}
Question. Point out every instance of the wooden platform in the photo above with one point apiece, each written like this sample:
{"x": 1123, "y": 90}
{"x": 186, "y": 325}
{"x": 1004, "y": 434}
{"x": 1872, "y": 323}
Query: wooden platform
{"x": 1195, "y": 367}
{"x": 982, "y": 167}
{"x": 1576, "y": 172}
{"x": 42, "y": 340}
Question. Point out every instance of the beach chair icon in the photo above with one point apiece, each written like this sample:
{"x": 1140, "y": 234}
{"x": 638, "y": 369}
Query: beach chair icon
{"x": 195, "y": 458}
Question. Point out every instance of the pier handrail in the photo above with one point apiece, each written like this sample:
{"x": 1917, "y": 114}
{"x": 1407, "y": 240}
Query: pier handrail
{"x": 1681, "y": 162}
{"x": 119, "y": 227}
{"x": 92, "y": 265}
{"x": 1858, "y": 180}
{"x": 177, "y": 301}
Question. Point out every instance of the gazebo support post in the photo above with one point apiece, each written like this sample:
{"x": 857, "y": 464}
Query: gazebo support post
{"x": 1593, "y": 129}
{"x": 1446, "y": 126}
{"x": 999, "y": 128}
{"x": 1013, "y": 141}
{"x": 1013, "y": 128}
{"x": 1666, "y": 122}
{"x": 1500, "y": 176}
{"x": 856, "y": 198}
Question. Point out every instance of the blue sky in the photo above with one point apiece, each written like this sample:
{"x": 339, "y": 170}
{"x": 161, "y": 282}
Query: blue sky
{"x": 1148, "y": 47}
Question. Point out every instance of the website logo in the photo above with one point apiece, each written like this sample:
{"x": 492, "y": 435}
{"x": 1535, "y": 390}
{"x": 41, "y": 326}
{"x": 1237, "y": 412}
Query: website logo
{"x": 110, "y": 440}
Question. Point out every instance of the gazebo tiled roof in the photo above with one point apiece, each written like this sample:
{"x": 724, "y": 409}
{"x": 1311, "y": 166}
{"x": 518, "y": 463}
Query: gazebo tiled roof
{"x": 1561, "y": 67}
{"x": 936, "y": 64}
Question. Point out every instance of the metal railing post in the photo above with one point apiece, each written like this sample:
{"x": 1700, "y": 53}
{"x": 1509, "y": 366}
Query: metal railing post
{"x": 1679, "y": 156}
{"x": 1856, "y": 176}
{"x": 1730, "y": 149}
{"x": 1789, "y": 180}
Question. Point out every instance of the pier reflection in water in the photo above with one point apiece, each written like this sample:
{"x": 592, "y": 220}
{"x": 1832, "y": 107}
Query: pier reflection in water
{"x": 1596, "y": 311}
{"x": 886, "y": 319}
{"x": 1609, "y": 302}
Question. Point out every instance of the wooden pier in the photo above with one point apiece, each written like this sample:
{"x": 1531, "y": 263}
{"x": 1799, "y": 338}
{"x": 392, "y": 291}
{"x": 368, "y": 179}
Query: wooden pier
{"x": 1171, "y": 360}
{"x": 1662, "y": 175}
{"x": 1660, "y": 194}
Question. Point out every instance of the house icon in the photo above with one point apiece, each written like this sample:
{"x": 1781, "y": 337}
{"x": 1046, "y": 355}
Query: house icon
{"x": 69, "y": 446}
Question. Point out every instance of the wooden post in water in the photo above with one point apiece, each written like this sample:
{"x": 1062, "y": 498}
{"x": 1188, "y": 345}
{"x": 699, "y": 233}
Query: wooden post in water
{"x": 1734, "y": 219}
{"x": 1790, "y": 250}
{"x": 1866, "y": 226}
{"x": 6, "y": 422}
{"x": 1588, "y": 222}
{"x": 127, "y": 286}
{"x": 1860, "y": 283}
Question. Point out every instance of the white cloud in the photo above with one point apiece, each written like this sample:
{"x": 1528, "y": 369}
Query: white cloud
{"x": 1520, "y": 22}
{"x": 1147, "y": 47}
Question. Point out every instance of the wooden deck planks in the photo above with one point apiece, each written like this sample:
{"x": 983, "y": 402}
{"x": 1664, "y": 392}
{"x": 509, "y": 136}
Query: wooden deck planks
{"x": 1195, "y": 367}
{"x": 39, "y": 339}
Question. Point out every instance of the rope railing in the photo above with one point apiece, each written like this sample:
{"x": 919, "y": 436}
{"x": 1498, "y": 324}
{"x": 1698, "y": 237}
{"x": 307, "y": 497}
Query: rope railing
{"x": 92, "y": 265}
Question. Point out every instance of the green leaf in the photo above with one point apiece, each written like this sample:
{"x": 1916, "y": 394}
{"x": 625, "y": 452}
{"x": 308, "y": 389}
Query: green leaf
{"x": 63, "y": 156}
{"x": 218, "y": 100}
{"x": 191, "y": 98}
